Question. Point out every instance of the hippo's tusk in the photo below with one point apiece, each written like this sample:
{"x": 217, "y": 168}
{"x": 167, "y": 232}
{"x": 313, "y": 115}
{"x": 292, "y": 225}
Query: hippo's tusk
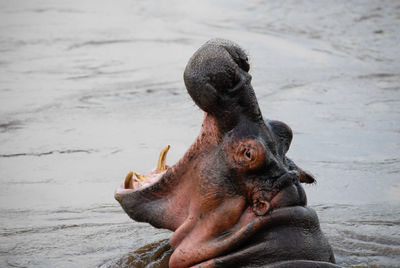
{"x": 128, "y": 179}
{"x": 162, "y": 158}
{"x": 140, "y": 179}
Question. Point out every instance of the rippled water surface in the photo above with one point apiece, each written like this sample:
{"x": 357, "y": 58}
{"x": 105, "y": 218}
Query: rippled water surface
{"x": 90, "y": 90}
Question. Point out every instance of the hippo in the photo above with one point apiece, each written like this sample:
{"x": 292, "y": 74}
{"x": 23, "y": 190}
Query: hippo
{"x": 234, "y": 199}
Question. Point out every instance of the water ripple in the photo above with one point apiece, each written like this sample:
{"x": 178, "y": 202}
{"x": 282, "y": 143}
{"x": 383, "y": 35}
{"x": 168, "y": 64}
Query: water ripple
{"x": 71, "y": 151}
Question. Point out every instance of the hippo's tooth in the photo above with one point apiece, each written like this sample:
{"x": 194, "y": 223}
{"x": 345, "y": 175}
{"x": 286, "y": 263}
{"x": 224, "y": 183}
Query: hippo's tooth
{"x": 141, "y": 178}
{"x": 138, "y": 182}
{"x": 162, "y": 158}
{"x": 128, "y": 179}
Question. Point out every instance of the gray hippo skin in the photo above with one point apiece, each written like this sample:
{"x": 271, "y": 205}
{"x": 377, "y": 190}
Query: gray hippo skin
{"x": 234, "y": 199}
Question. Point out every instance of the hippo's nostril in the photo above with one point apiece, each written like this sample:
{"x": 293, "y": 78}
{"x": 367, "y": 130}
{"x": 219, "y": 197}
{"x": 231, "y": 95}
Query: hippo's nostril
{"x": 244, "y": 64}
{"x": 238, "y": 55}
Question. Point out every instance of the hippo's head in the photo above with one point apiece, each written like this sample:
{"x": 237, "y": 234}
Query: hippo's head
{"x": 234, "y": 197}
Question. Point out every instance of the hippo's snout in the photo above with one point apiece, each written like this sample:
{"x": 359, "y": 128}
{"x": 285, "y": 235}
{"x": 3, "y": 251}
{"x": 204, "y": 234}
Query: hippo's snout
{"x": 218, "y": 81}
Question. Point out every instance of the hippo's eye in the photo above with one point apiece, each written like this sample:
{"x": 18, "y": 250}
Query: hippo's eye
{"x": 246, "y": 154}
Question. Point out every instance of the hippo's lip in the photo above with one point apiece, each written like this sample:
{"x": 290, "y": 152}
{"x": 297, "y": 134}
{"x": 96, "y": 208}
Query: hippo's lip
{"x": 135, "y": 182}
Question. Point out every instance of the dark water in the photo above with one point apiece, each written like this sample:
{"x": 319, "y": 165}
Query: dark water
{"x": 90, "y": 90}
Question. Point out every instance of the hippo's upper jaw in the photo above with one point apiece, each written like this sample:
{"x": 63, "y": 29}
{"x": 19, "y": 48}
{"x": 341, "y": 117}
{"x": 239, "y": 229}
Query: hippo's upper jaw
{"x": 234, "y": 197}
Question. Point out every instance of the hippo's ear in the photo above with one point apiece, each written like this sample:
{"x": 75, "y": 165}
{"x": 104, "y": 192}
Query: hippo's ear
{"x": 283, "y": 134}
{"x": 306, "y": 177}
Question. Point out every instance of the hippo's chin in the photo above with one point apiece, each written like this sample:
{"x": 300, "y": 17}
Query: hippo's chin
{"x": 277, "y": 234}
{"x": 234, "y": 199}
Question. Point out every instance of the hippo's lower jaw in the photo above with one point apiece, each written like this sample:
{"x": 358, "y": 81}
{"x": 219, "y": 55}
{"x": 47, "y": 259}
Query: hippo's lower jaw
{"x": 234, "y": 199}
{"x": 290, "y": 233}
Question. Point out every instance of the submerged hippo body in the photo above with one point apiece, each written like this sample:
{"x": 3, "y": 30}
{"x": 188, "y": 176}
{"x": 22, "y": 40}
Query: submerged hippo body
{"x": 234, "y": 199}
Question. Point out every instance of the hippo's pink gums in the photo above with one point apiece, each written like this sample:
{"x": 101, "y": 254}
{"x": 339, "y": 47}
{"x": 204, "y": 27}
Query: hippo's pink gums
{"x": 234, "y": 199}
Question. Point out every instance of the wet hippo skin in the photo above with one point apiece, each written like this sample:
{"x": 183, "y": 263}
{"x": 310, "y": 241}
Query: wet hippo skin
{"x": 234, "y": 199}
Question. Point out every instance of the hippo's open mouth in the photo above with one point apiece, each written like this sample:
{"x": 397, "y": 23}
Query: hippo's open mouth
{"x": 234, "y": 197}
{"x": 136, "y": 181}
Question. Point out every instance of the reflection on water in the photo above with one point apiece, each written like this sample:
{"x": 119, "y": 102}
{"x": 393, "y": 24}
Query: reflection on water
{"x": 155, "y": 255}
{"x": 90, "y": 90}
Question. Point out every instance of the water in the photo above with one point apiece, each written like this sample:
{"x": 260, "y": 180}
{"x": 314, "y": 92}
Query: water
{"x": 90, "y": 90}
